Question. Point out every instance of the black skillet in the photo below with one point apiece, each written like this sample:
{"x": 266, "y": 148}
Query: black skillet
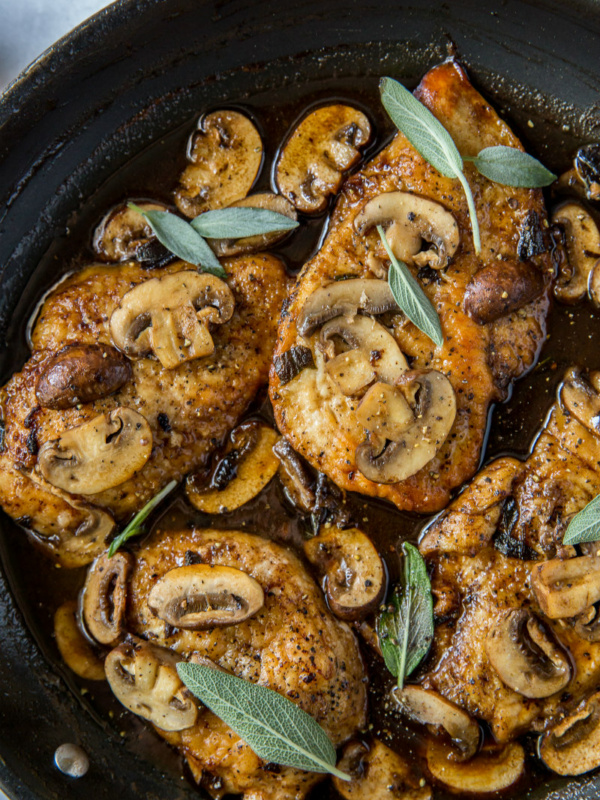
{"x": 117, "y": 83}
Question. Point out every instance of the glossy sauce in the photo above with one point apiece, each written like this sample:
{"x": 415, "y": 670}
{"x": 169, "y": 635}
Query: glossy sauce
{"x": 42, "y": 587}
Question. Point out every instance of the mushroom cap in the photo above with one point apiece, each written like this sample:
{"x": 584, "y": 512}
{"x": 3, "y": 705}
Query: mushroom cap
{"x": 572, "y": 747}
{"x": 122, "y": 230}
{"x": 321, "y": 147}
{"x": 345, "y": 298}
{"x": 99, "y": 454}
{"x": 104, "y": 597}
{"x": 143, "y": 677}
{"x": 582, "y": 239}
{"x": 201, "y": 596}
{"x": 527, "y": 656}
{"x": 170, "y": 317}
{"x": 566, "y": 588}
{"x": 408, "y": 220}
{"x": 579, "y": 395}
{"x": 492, "y": 770}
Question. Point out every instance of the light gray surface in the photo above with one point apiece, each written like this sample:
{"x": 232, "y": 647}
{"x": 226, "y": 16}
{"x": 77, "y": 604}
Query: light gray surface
{"x": 28, "y": 27}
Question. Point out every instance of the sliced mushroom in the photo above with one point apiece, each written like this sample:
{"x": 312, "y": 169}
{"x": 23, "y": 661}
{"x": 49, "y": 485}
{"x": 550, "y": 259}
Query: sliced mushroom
{"x": 292, "y": 362}
{"x": 320, "y": 149}
{"x": 368, "y": 352}
{"x": 81, "y": 373}
{"x": 587, "y": 624}
{"x": 170, "y": 317}
{"x": 99, "y": 454}
{"x": 433, "y": 402}
{"x": 144, "y": 679}
{"x": 226, "y": 156}
{"x": 582, "y": 239}
{"x": 408, "y": 221}
{"x": 430, "y": 708}
{"x": 580, "y": 396}
{"x": 566, "y": 588}
{"x": 354, "y": 572}
{"x": 493, "y": 770}
{"x": 201, "y": 596}
{"x": 378, "y": 773}
{"x": 296, "y": 476}
{"x": 241, "y": 472}
{"x": 594, "y": 284}
{"x": 123, "y": 230}
{"x": 251, "y": 244}
{"x": 104, "y": 597}
{"x": 572, "y": 747}
{"x": 587, "y": 166}
{"x": 385, "y": 412}
{"x": 345, "y": 298}
{"x": 76, "y": 651}
{"x": 500, "y": 288}
{"x": 527, "y": 656}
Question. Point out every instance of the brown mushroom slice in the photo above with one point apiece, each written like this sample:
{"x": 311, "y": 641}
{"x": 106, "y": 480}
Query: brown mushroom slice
{"x": 378, "y": 773}
{"x": 492, "y": 770}
{"x": 99, "y": 454}
{"x": 246, "y": 467}
{"x": 409, "y": 220}
{"x": 580, "y": 396}
{"x": 501, "y": 288}
{"x": 345, "y": 298}
{"x": 170, "y": 317}
{"x": 372, "y": 353}
{"x": 251, "y": 244}
{"x": 104, "y": 597}
{"x": 143, "y": 677}
{"x": 433, "y": 403}
{"x": 76, "y": 651}
{"x": 123, "y": 230}
{"x": 594, "y": 284}
{"x": 81, "y": 373}
{"x": 430, "y": 708}
{"x": 587, "y": 624}
{"x": 582, "y": 239}
{"x": 527, "y": 656}
{"x": 572, "y": 747}
{"x": 320, "y": 149}
{"x": 354, "y": 573}
{"x": 225, "y": 157}
{"x": 201, "y": 596}
{"x": 587, "y": 166}
{"x": 566, "y": 588}
{"x": 295, "y": 476}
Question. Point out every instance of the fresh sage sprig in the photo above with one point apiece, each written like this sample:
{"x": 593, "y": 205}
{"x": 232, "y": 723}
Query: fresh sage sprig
{"x": 405, "y": 627}
{"x": 275, "y": 728}
{"x": 505, "y": 165}
{"x": 585, "y": 526}
{"x": 136, "y": 526}
{"x": 186, "y": 240}
{"x": 410, "y": 296}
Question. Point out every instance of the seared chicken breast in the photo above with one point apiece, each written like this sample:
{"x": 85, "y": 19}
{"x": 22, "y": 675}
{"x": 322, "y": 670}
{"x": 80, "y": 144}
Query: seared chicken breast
{"x": 492, "y": 309}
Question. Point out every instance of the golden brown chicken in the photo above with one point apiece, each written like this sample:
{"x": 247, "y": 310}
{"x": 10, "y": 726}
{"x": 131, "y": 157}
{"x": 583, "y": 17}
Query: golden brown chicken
{"x": 268, "y": 624}
{"x": 135, "y": 377}
{"x": 517, "y": 640}
{"x": 342, "y": 387}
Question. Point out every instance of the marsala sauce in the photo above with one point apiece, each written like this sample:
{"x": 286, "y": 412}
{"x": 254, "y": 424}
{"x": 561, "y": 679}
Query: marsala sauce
{"x": 42, "y": 587}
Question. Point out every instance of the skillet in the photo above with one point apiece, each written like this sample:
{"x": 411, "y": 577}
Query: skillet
{"x": 117, "y": 83}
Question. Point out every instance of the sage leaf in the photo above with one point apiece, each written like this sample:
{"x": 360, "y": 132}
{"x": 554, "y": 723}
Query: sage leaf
{"x": 511, "y": 167}
{"x": 275, "y": 728}
{"x": 181, "y": 239}
{"x": 136, "y": 526}
{"x": 405, "y": 627}
{"x": 410, "y": 296}
{"x": 235, "y": 223}
{"x": 585, "y": 526}
{"x": 429, "y": 138}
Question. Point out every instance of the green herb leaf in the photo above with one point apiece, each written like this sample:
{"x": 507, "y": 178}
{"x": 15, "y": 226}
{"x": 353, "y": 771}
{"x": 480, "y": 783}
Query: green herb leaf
{"x": 429, "y": 138}
{"x": 511, "y": 167}
{"x": 234, "y": 223}
{"x": 585, "y": 526}
{"x": 275, "y": 728}
{"x": 405, "y": 628}
{"x": 181, "y": 239}
{"x": 136, "y": 526}
{"x": 410, "y": 296}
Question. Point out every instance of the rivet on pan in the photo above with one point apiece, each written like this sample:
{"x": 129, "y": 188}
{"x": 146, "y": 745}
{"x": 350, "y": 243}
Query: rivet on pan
{"x": 71, "y": 760}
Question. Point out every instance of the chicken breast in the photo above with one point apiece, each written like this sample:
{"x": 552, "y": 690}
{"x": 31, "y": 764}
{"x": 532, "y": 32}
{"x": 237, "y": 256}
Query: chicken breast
{"x": 183, "y": 413}
{"x": 485, "y": 552}
{"x": 293, "y": 645}
{"x": 492, "y": 307}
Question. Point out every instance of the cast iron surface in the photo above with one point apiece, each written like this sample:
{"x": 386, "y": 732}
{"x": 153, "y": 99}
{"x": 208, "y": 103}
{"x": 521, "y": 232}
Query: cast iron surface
{"x": 137, "y": 70}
